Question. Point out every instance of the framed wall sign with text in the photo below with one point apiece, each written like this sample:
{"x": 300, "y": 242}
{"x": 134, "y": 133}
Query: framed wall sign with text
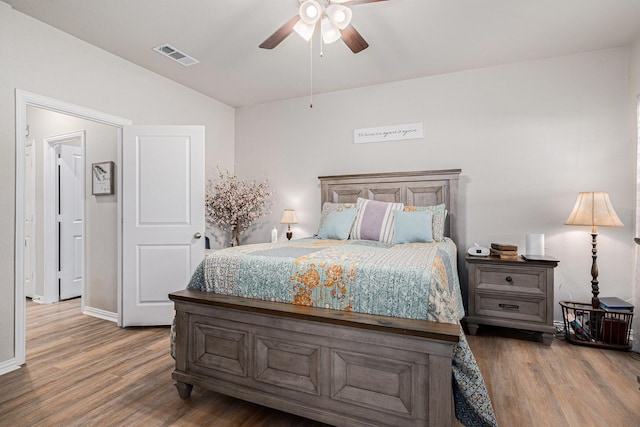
{"x": 102, "y": 181}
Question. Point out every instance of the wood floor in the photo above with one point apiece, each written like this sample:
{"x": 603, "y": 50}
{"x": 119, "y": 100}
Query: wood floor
{"x": 83, "y": 371}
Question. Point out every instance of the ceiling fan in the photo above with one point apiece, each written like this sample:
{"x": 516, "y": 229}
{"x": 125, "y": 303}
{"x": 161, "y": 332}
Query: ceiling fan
{"x": 333, "y": 17}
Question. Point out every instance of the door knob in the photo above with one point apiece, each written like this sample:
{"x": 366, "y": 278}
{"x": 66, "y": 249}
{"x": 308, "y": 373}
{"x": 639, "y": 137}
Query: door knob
{"x": 197, "y": 235}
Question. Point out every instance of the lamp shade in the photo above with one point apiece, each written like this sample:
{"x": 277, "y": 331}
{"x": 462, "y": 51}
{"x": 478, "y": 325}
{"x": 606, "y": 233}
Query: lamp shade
{"x": 289, "y": 217}
{"x": 594, "y": 208}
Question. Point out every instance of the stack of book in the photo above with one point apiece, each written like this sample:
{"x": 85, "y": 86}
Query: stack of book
{"x": 614, "y": 303}
{"x": 504, "y": 251}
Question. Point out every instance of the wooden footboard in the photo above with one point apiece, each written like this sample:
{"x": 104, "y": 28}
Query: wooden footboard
{"x": 344, "y": 369}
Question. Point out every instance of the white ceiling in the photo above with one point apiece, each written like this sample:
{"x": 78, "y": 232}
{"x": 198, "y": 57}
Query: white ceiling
{"x": 407, "y": 38}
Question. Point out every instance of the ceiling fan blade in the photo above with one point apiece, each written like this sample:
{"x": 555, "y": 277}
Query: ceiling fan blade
{"x": 353, "y": 39}
{"x": 354, "y": 2}
{"x": 281, "y": 33}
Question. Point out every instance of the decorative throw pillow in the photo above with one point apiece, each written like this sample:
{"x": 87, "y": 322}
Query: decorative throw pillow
{"x": 337, "y": 225}
{"x": 438, "y": 212}
{"x": 374, "y": 220}
{"x": 328, "y": 207}
{"x": 412, "y": 227}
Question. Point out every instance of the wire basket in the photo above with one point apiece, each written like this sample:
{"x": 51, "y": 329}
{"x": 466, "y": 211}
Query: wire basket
{"x": 597, "y": 327}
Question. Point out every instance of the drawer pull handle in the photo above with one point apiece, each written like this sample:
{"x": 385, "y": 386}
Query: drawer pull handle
{"x": 508, "y": 279}
{"x": 509, "y": 306}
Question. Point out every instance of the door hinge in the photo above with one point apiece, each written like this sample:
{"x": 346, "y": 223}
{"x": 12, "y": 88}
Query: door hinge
{"x": 26, "y": 131}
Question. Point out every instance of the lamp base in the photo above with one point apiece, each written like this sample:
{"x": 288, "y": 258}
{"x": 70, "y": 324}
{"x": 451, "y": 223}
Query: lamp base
{"x": 289, "y": 235}
{"x": 595, "y": 289}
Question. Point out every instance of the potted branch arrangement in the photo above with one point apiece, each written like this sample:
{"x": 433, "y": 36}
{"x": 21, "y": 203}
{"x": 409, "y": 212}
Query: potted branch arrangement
{"x": 234, "y": 205}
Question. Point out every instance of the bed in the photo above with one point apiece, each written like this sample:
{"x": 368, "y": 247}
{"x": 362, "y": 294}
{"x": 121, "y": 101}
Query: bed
{"x": 362, "y": 331}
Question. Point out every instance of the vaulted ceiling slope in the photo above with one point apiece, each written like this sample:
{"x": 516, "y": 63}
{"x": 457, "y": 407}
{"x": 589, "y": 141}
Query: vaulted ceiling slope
{"x": 407, "y": 38}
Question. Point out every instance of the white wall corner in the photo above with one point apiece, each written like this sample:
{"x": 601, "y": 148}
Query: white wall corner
{"x": 8, "y": 366}
{"x": 101, "y": 314}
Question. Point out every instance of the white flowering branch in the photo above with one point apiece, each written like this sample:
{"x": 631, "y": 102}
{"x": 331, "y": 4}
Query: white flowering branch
{"x": 234, "y": 205}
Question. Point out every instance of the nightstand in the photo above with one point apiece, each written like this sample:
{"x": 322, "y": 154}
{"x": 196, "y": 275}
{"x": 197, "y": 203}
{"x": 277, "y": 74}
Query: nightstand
{"x": 511, "y": 293}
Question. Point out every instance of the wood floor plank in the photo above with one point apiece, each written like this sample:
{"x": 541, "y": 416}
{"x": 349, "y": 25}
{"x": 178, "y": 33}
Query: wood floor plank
{"x": 559, "y": 385}
{"x": 83, "y": 371}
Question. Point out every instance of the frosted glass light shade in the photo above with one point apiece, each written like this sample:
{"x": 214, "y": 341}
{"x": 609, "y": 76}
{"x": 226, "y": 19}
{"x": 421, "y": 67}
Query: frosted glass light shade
{"x": 594, "y": 208}
{"x": 339, "y": 15}
{"x": 310, "y": 11}
{"x": 330, "y": 33}
{"x": 304, "y": 30}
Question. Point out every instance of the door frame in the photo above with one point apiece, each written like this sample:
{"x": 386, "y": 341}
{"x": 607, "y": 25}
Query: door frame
{"x": 31, "y": 143}
{"x": 50, "y": 234}
{"x": 24, "y": 99}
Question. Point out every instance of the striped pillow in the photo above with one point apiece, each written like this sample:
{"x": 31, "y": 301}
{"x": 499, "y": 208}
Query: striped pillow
{"x": 375, "y": 220}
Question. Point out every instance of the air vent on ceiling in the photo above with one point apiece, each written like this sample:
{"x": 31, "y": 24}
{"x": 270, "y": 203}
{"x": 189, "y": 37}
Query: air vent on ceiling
{"x": 173, "y": 53}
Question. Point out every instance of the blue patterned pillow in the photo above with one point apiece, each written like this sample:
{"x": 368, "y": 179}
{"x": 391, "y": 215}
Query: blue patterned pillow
{"x": 439, "y": 213}
{"x": 374, "y": 220}
{"x": 412, "y": 227}
{"x": 337, "y": 224}
{"x": 328, "y": 207}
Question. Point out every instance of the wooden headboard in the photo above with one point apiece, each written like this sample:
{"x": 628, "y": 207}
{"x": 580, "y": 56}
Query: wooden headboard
{"x": 420, "y": 188}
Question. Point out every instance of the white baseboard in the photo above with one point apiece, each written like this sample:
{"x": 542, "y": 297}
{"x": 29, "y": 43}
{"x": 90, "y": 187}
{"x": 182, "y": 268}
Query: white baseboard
{"x": 8, "y": 366}
{"x": 101, "y": 314}
{"x": 38, "y": 299}
{"x": 559, "y": 324}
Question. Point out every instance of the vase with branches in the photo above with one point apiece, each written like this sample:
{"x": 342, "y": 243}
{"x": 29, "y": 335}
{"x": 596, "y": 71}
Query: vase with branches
{"x": 234, "y": 205}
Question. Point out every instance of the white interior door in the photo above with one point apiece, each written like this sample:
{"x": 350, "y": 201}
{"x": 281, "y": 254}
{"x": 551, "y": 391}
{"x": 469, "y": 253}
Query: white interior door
{"x": 29, "y": 219}
{"x": 162, "y": 218}
{"x": 71, "y": 221}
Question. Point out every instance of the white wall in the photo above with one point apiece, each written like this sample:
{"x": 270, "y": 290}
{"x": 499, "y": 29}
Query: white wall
{"x": 528, "y": 137}
{"x": 40, "y": 59}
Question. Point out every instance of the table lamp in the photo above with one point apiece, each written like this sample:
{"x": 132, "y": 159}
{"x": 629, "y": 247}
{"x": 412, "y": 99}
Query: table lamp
{"x": 289, "y": 217}
{"x": 594, "y": 208}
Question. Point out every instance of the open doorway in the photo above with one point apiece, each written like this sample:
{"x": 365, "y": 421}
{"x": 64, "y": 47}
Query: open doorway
{"x": 39, "y": 117}
{"x": 69, "y": 248}
{"x": 63, "y": 220}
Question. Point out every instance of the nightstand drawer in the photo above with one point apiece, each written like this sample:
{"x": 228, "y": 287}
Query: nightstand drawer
{"x": 521, "y": 280}
{"x": 507, "y": 307}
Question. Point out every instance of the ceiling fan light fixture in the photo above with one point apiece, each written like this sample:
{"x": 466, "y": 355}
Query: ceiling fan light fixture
{"x": 330, "y": 33}
{"x": 333, "y": 17}
{"x": 339, "y": 15}
{"x": 304, "y": 30}
{"x": 310, "y": 11}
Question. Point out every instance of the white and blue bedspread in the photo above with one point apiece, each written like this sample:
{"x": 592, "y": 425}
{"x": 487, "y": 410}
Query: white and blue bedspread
{"x": 415, "y": 280}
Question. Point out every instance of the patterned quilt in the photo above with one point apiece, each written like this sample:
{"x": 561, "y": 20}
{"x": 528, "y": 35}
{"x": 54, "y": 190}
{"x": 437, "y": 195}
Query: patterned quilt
{"x": 415, "y": 280}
